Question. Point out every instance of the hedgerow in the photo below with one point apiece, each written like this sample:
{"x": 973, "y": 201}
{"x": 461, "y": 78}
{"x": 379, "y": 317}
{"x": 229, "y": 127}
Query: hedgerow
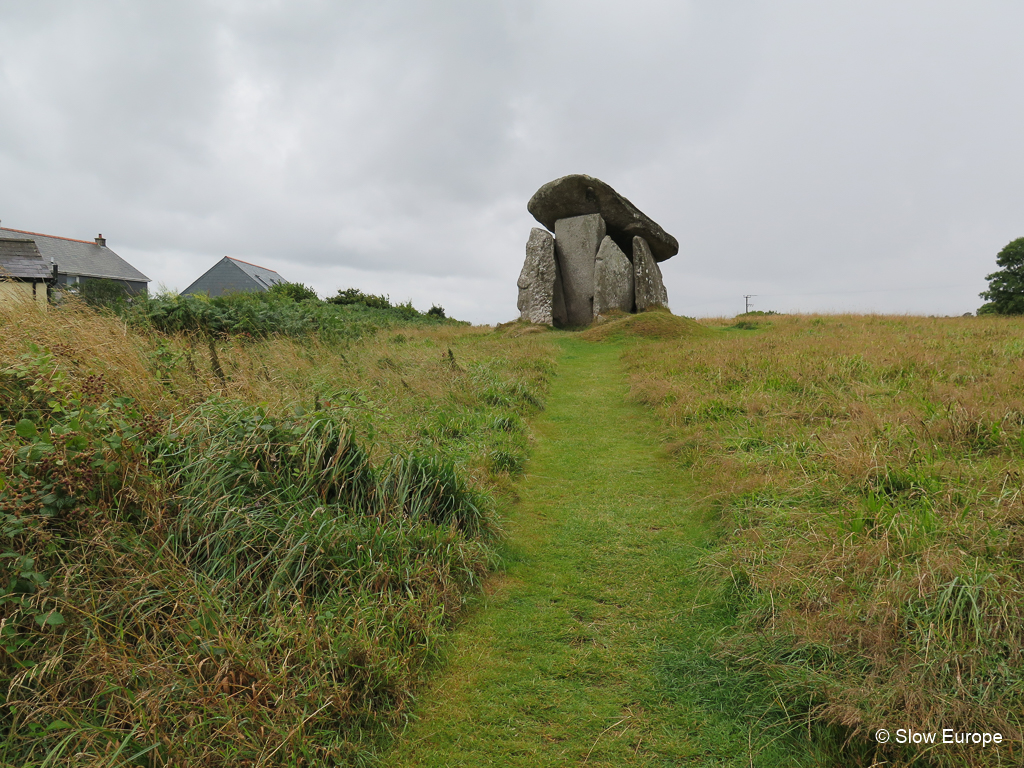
{"x": 285, "y": 310}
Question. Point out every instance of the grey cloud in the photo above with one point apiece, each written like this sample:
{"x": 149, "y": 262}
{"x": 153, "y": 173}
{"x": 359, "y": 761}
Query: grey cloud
{"x": 810, "y": 152}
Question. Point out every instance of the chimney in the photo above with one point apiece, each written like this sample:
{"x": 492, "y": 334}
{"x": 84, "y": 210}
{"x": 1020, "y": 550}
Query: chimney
{"x": 101, "y": 241}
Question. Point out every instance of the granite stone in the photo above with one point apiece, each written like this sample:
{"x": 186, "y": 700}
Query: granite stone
{"x": 648, "y": 287}
{"x": 540, "y": 289}
{"x": 613, "y": 279}
{"x": 576, "y": 242}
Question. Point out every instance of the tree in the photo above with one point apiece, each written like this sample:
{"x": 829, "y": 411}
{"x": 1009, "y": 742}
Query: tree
{"x": 355, "y": 296}
{"x": 1005, "y": 294}
{"x": 294, "y": 291}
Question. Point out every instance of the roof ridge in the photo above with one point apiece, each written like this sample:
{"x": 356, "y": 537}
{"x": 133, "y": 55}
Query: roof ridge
{"x": 232, "y": 258}
{"x": 55, "y": 237}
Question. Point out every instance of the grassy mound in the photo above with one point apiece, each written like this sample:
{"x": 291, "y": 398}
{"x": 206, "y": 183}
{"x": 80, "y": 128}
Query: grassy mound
{"x": 516, "y": 328}
{"x": 653, "y": 324}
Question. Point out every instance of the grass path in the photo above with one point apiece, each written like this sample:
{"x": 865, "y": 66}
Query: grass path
{"x": 561, "y": 664}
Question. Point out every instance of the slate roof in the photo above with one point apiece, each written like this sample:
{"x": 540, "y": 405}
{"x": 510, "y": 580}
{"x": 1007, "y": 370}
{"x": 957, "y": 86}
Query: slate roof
{"x": 234, "y": 276}
{"x": 20, "y": 259}
{"x": 79, "y": 257}
{"x": 262, "y": 275}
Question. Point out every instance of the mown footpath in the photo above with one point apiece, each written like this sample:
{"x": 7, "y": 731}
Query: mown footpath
{"x": 570, "y": 660}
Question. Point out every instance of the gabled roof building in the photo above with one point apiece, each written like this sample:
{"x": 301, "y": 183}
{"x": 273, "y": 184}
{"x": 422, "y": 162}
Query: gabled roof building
{"x": 23, "y": 273}
{"x": 234, "y": 276}
{"x": 79, "y": 261}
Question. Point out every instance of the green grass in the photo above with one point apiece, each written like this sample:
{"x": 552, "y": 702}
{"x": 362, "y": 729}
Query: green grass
{"x": 573, "y": 657}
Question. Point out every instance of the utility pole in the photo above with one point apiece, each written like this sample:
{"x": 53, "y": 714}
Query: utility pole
{"x": 746, "y": 301}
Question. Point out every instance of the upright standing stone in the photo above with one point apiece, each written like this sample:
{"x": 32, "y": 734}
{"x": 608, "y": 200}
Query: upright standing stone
{"x": 558, "y": 312}
{"x": 576, "y": 242}
{"x": 528, "y": 277}
{"x": 540, "y": 289}
{"x": 647, "y": 283}
{"x": 613, "y": 279}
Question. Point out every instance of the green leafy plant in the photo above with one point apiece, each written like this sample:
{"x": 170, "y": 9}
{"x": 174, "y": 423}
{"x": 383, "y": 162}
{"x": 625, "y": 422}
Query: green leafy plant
{"x": 284, "y": 310}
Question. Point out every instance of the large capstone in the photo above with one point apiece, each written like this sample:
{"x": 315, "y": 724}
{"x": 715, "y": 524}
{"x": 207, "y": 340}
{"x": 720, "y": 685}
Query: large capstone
{"x": 579, "y": 194}
{"x": 613, "y": 279}
{"x": 648, "y": 287}
{"x": 576, "y": 242}
{"x": 540, "y": 289}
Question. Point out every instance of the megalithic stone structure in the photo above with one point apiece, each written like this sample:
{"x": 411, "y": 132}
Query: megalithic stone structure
{"x": 613, "y": 279}
{"x": 604, "y": 255}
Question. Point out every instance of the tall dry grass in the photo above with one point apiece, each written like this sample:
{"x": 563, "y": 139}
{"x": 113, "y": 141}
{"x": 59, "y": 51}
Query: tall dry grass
{"x": 392, "y": 385}
{"x": 867, "y": 473}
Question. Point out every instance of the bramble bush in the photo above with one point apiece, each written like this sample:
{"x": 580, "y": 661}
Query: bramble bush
{"x": 101, "y": 293}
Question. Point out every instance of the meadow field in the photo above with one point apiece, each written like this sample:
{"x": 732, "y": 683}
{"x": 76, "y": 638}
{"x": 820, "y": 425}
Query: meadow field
{"x": 738, "y": 542}
{"x": 865, "y": 477}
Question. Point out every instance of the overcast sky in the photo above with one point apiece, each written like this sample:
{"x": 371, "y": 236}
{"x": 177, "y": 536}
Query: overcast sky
{"x": 848, "y": 155}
